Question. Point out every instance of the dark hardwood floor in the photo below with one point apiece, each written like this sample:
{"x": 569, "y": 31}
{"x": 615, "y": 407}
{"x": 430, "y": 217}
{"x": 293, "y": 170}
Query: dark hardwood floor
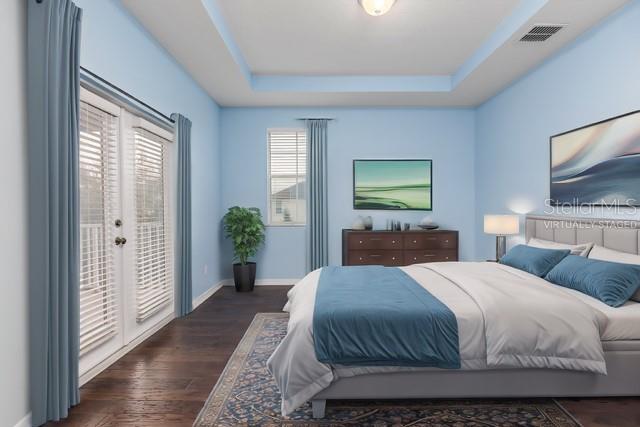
{"x": 166, "y": 380}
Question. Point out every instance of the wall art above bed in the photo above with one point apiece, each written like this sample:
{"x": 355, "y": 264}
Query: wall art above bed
{"x": 392, "y": 184}
{"x": 597, "y": 164}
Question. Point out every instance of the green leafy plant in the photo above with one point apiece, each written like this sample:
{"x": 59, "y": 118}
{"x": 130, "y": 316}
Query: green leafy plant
{"x": 245, "y": 228}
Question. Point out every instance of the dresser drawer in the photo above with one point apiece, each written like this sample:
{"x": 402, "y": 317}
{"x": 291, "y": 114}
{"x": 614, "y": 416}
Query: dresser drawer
{"x": 389, "y": 258}
{"x": 431, "y": 241}
{"x": 418, "y": 257}
{"x": 358, "y": 241}
{"x": 396, "y": 248}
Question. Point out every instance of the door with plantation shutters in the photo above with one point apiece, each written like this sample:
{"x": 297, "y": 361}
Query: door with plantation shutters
{"x": 99, "y": 177}
{"x": 126, "y": 246}
{"x": 148, "y": 262}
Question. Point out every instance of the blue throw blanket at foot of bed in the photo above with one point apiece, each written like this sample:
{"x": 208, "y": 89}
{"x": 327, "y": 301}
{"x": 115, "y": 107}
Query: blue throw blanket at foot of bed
{"x": 380, "y": 316}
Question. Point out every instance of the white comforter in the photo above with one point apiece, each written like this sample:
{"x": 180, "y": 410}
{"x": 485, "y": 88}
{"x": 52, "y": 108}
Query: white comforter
{"x": 506, "y": 319}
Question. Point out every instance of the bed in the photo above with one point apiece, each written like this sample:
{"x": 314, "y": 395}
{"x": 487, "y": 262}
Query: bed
{"x": 594, "y": 349}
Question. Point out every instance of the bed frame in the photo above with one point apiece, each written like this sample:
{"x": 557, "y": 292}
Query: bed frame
{"x": 622, "y": 357}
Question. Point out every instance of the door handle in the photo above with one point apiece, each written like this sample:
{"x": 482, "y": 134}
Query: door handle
{"x": 120, "y": 241}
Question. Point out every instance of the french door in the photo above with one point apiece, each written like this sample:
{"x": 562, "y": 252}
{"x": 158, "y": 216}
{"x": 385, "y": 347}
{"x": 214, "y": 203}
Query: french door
{"x": 126, "y": 246}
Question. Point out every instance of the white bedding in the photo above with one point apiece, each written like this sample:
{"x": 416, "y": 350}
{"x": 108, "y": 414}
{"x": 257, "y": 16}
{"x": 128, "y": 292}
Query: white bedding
{"x": 506, "y": 319}
{"x": 623, "y": 323}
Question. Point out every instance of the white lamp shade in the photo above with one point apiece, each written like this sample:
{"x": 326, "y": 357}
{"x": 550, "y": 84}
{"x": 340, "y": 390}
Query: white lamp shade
{"x": 376, "y": 7}
{"x": 501, "y": 225}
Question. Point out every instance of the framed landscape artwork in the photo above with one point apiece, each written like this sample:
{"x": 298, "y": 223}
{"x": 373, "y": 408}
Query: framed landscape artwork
{"x": 392, "y": 184}
{"x": 598, "y": 164}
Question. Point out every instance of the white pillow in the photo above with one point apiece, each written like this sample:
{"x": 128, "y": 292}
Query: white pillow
{"x": 581, "y": 249}
{"x": 605, "y": 254}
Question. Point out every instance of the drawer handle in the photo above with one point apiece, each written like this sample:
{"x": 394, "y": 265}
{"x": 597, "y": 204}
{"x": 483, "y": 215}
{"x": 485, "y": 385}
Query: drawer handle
{"x": 431, "y": 238}
{"x": 375, "y": 256}
{"x": 415, "y": 241}
{"x": 375, "y": 239}
{"x": 429, "y": 255}
{"x": 360, "y": 258}
{"x": 415, "y": 258}
{"x": 393, "y": 258}
{"x": 360, "y": 242}
{"x": 393, "y": 241}
{"x": 446, "y": 257}
{"x": 446, "y": 241}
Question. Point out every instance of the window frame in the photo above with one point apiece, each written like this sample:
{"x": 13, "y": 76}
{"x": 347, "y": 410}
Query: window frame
{"x": 270, "y": 222}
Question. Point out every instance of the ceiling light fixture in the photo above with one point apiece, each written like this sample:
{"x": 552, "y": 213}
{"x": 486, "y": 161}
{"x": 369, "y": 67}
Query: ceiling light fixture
{"x": 376, "y": 7}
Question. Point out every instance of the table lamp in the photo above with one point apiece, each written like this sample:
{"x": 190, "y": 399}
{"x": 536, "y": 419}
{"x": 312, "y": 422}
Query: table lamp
{"x": 501, "y": 226}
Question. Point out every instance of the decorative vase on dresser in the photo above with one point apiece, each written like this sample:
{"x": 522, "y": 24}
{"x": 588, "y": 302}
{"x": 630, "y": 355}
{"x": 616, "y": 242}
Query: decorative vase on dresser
{"x": 396, "y": 248}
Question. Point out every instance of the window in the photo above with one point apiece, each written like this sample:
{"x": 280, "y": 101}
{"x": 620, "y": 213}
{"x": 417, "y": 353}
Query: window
{"x": 287, "y": 176}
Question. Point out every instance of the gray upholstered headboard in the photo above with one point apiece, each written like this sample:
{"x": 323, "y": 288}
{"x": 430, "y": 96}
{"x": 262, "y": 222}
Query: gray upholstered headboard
{"x": 620, "y": 235}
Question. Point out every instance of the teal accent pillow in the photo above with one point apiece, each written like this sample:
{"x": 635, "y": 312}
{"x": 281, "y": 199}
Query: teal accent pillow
{"x": 613, "y": 283}
{"x": 536, "y": 261}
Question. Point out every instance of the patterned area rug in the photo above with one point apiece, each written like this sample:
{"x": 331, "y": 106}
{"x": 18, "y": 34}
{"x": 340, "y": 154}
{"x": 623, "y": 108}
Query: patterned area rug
{"x": 246, "y": 395}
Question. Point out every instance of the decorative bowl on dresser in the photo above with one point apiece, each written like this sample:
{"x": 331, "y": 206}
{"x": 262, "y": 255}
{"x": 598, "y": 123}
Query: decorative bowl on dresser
{"x": 396, "y": 248}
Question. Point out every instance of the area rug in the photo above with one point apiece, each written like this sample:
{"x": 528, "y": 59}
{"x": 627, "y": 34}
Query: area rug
{"x": 247, "y": 395}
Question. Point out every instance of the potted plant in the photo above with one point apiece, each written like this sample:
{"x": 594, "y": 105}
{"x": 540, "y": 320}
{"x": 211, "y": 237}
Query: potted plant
{"x": 245, "y": 228}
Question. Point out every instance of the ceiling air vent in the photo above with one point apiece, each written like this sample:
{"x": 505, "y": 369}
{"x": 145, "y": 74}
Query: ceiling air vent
{"x": 540, "y": 33}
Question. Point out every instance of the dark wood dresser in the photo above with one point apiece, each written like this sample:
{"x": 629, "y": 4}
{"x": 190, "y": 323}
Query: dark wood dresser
{"x": 395, "y": 248}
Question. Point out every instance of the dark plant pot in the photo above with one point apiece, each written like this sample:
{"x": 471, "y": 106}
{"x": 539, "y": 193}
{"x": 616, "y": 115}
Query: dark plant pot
{"x": 244, "y": 276}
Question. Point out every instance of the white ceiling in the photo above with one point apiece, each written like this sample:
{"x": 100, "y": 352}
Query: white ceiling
{"x": 335, "y": 37}
{"x": 330, "y": 53}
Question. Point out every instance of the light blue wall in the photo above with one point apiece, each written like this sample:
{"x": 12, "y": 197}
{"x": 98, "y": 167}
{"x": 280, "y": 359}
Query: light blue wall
{"x": 595, "y": 78}
{"x": 116, "y": 47}
{"x": 444, "y": 135}
{"x": 490, "y": 160}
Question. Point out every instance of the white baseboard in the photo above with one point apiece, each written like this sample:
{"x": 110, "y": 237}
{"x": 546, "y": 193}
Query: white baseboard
{"x": 207, "y": 294}
{"x": 91, "y": 373}
{"x": 25, "y": 422}
{"x": 266, "y": 282}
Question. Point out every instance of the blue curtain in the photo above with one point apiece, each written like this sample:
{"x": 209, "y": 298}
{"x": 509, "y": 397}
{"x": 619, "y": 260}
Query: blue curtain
{"x": 53, "y": 46}
{"x": 317, "y": 214}
{"x": 183, "y": 237}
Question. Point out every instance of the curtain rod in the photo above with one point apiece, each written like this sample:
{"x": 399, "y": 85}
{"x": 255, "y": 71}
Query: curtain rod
{"x": 315, "y": 118}
{"x": 124, "y": 92}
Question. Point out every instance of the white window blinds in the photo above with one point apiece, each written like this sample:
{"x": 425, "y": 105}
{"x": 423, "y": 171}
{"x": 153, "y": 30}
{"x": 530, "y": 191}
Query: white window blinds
{"x": 154, "y": 281}
{"x": 98, "y": 199}
{"x": 287, "y": 176}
